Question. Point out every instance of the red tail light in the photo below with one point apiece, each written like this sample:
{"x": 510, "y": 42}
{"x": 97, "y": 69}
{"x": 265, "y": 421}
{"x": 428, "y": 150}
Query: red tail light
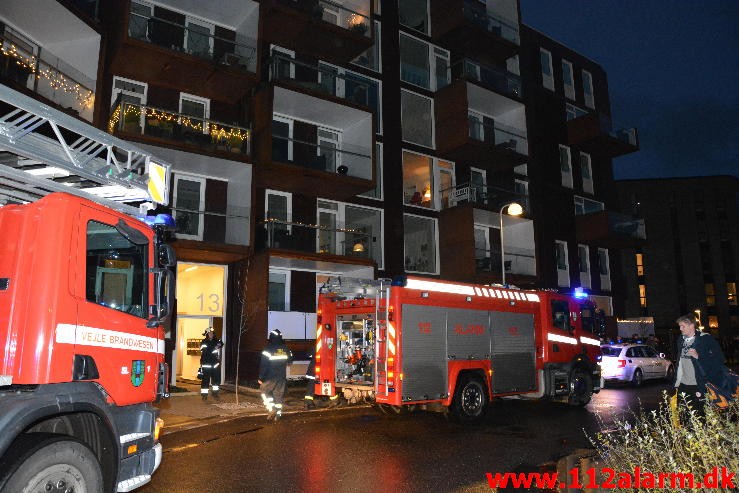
{"x": 621, "y": 363}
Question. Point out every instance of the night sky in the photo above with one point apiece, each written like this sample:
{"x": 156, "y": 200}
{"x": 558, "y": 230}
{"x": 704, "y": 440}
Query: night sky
{"x": 673, "y": 72}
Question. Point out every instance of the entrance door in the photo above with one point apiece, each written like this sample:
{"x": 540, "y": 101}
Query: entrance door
{"x": 191, "y": 331}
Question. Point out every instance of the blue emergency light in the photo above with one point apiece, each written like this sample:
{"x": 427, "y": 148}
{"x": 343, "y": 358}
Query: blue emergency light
{"x": 580, "y": 294}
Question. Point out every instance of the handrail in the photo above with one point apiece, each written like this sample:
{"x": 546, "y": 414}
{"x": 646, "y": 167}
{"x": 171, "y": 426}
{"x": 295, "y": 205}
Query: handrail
{"x": 495, "y": 78}
{"x": 475, "y": 12}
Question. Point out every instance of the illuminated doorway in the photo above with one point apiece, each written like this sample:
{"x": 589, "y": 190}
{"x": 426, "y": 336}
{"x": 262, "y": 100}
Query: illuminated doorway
{"x": 201, "y": 296}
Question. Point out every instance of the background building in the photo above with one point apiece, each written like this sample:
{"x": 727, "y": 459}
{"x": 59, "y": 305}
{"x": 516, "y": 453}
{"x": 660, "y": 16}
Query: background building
{"x": 354, "y": 138}
{"x": 690, "y": 262}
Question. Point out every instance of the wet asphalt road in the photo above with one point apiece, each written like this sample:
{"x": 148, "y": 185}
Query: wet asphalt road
{"x": 357, "y": 449}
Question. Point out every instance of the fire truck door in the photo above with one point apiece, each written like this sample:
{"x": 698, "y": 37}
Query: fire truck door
{"x": 513, "y": 352}
{"x": 424, "y": 358}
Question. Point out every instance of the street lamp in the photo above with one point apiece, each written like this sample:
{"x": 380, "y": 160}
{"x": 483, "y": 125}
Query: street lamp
{"x": 514, "y": 209}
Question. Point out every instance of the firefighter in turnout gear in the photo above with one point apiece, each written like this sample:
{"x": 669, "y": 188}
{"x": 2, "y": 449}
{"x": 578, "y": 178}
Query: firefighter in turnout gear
{"x": 210, "y": 362}
{"x": 273, "y": 374}
{"x": 310, "y": 382}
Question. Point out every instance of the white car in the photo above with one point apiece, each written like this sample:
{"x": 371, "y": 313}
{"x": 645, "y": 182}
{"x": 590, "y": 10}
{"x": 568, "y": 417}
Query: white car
{"x": 634, "y": 363}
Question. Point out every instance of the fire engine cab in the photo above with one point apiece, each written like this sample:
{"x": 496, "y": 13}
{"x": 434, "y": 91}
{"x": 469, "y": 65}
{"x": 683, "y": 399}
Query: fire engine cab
{"x": 431, "y": 344}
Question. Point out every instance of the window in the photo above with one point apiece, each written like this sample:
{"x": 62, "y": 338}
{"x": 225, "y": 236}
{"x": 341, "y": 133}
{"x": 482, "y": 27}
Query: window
{"x": 546, "y": 69}
{"x": 116, "y": 270}
{"x": 587, "y": 173}
{"x": 417, "y": 180}
{"x": 710, "y": 294}
{"x": 572, "y": 112}
{"x": 282, "y": 139}
{"x": 561, "y": 315}
{"x": 482, "y": 247}
{"x": 367, "y": 222}
{"x": 199, "y": 38}
{"x": 328, "y": 147}
{"x": 583, "y": 257}
{"x": 278, "y": 205}
{"x": 139, "y": 20}
{"x": 417, "y": 119}
{"x": 414, "y": 14}
{"x": 444, "y": 176}
{"x": 563, "y": 268}
{"x": 283, "y": 65}
{"x": 521, "y": 187}
{"x": 420, "y": 244}
{"x": 642, "y": 295}
{"x": 441, "y": 68}
{"x": 478, "y": 185}
{"x": 565, "y": 165}
{"x": 414, "y": 61}
{"x": 568, "y": 79}
{"x": 731, "y": 292}
{"x": 587, "y": 89}
{"x": 131, "y": 91}
{"x": 377, "y": 192}
{"x": 639, "y": 264}
{"x": 604, "y": 269}
{"x": 278, "y": 296}
{"x": 196, "y": 107}
{"x": 189, "y": 202}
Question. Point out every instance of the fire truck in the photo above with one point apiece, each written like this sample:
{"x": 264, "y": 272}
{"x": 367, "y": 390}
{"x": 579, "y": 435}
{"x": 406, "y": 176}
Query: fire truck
{"x": 86, "y": 287}
{"x": 416, "y": 343}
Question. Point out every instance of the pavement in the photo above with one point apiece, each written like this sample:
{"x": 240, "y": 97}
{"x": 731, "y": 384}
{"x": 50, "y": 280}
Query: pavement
{"x": 186, "y": 409}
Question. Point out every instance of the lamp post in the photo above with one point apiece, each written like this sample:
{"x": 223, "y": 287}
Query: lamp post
{"x": 514, "y": 209}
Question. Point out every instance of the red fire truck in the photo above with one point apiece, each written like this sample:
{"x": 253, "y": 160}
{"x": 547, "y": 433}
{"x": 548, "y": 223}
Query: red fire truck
{"x": 84, "y": 292}
{"x": 437, "y": 345}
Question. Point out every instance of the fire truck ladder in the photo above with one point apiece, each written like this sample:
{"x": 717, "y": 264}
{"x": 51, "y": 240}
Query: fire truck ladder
{"x": 382, "y": 302}
{"x": 43, "y": 150}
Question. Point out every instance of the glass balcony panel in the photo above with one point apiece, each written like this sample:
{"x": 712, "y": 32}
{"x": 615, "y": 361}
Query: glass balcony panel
{"x": 312, "y": 238}
{"x": 236, "y": 51}
{"x": 493, "y": 78}
{"x": 477, "y": 14}
{"x": 484, "y": 197}
{"x": 499, "y": 135}
{"x": 347, "y": 160}
{"x": 207, "y": 134}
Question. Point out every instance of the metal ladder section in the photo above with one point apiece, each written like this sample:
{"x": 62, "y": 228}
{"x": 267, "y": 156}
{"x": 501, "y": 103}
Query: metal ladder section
{"x": 382, "y": 302}
{"x": 116, "y": 171}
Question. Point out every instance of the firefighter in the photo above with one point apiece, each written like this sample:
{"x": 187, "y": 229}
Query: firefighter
{"x": 310, "y": 382}
{"x": 273, "y": 374}
{"x": 210, "y": 362}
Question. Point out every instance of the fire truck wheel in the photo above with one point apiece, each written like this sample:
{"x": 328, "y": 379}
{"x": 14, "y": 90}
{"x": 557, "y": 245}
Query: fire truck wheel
{"x": 581, "y": 387}
{"x": 47, "y": 462}
{"x": 470, "y": 399}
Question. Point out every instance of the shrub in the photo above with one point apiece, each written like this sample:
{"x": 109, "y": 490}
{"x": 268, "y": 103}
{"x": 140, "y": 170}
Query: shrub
{"x": 651, "y": 441}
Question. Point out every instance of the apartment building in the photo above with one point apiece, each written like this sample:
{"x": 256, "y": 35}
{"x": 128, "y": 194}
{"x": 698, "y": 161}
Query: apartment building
{"x": 690, "y": 262}
{"x": 352, "y": 138}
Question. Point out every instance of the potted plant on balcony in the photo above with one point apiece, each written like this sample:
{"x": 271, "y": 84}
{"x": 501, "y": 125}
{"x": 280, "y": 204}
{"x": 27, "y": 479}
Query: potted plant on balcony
{"x": 131, "y": 119}
{"x": 235, "y": 143}
{"x": 359, "y": 28}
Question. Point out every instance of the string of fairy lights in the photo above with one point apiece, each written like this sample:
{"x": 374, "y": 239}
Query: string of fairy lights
{"x": 314, "y": 226}
{"x": 57, "y": 80}
{"x": 216, "y": 131}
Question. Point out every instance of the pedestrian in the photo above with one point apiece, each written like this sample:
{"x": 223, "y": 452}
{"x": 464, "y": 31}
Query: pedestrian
{"x": 273, "y": 374}
{"x": 310, "y": 382}
{"x": 210, "y": 363}
{"x": 700, "y": 361}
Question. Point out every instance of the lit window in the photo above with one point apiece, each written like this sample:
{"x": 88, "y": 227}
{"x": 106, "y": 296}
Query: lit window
{"x": 710, "y": 294}
{"x": 731, "y": 292}
{"x": 642, "y": 295}
{"x": 639, "y": 264}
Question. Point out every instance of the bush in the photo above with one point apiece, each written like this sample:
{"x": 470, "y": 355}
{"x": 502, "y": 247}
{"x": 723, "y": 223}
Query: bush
{"x": 652, "y": 442}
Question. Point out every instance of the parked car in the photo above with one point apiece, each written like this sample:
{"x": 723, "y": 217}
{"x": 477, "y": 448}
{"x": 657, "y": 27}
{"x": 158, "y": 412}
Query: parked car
{"x": 634, "y": 363}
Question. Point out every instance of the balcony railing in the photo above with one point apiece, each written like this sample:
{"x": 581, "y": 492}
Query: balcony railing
{"x": 46, "y": 75}
{"x": 312, "y": 238}
{"x": 344, "y": 15}
{"x": 483, "y": 197}
{"x": 627, "y": 225}
{"x": 320, "y": 78}
{"x": 207, "y": 134}
{"x": 517, "y": 261}
{"x": 191, "y": 224}
{"x": 477, "y": 14}
{"x": 625, "y": 134}
{"x": 494, "y": 78}
{"x": 236, "y": 51}
{"x": 499, "y": 135}
{"x": 348, "y": 159}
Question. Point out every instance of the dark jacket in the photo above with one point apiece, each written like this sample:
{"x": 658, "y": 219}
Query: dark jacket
{"x": 275, "y": 358}
{"x": 710, "y": 363}
{"x": 210, "y": 351}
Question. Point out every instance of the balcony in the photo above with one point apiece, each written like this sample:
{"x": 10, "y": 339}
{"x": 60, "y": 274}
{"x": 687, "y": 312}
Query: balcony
{"x": 593, "y": 133}
{"x": 476, "y": 125}
{"x": 466, "y": 26}
{"x": 309, "y": 144}
{"x": 490, "y": 77}
{"x": 483, "y": 197}
{"x": 610, "y": 229}
{"x": 182, "y": 52}
{"x": 336, "y": 31}
{"x": 46, "y": 76}
{"x": 320, "y": 79}
{"x": 466, "y": 223}
{"x": 157, "y": 126}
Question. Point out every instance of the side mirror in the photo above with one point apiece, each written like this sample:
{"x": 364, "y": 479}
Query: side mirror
{"x": 662, "y": 355}
{"x": 153, "y": 323}
{"x": 167, "y": 257}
